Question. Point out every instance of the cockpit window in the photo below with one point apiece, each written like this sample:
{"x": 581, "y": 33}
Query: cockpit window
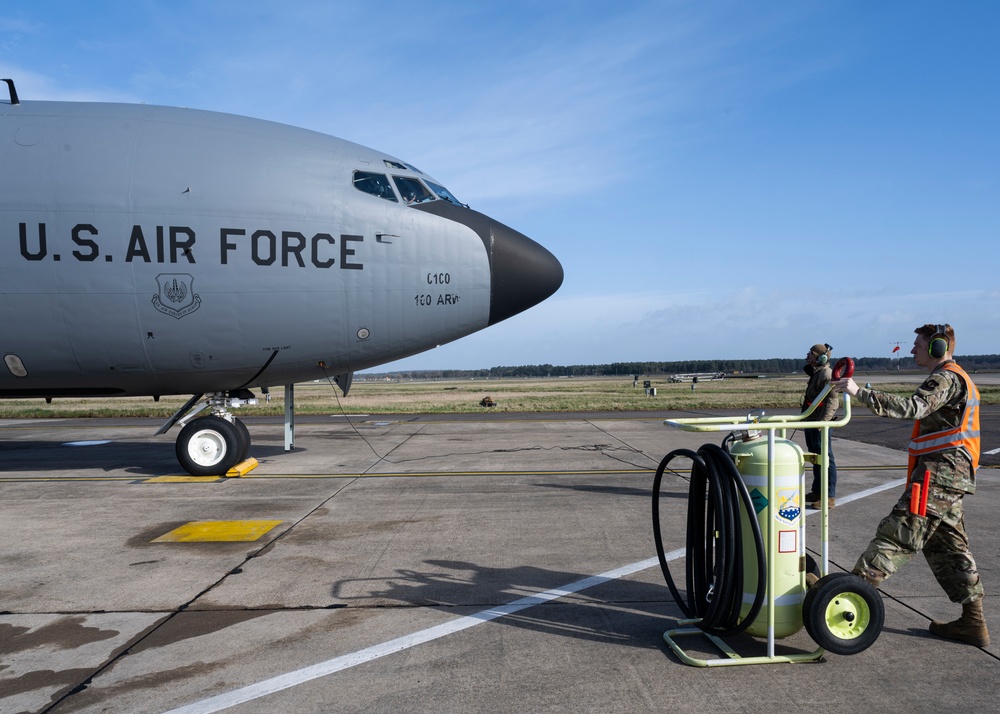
{"x": 400, "y": 165}
{"x": 375, "y": 184}
{"x": 412, "y": 190}
{"x": 444, "y": 194}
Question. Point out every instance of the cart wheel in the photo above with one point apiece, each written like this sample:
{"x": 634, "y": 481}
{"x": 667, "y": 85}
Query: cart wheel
{"x": 843, "y": 613}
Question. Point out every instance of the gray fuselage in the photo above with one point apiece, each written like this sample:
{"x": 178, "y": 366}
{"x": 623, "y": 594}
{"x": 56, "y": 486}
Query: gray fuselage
{"x": 151, "y": 250}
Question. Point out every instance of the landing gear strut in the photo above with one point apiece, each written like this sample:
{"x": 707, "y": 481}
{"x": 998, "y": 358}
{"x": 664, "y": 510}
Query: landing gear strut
{"x": 211, "y": 445}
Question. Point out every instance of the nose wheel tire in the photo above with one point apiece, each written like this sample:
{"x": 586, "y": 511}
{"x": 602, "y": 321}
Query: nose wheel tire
{"x": 244, "y": 435}
{"x": 843, "y": 613}
{"x": 210, "y": 446}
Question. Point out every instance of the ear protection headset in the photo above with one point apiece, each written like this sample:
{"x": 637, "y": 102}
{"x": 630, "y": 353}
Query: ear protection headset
{"x": 939, "y": 343}
{"x": 824, "y": 358}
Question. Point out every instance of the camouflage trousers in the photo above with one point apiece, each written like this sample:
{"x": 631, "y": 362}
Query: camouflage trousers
{"x": 940, "y": 535}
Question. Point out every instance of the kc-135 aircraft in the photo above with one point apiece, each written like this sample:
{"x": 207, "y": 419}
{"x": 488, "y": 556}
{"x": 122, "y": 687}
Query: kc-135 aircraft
{"x": 149, "y": 251}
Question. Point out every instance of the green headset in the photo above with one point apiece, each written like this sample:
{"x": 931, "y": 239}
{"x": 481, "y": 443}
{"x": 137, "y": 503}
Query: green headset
{"x": 824, "y": 358}
{"x": 939, "y": 343}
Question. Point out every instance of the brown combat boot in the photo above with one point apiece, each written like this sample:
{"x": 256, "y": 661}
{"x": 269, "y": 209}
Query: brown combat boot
{"x": 970, "y": 627}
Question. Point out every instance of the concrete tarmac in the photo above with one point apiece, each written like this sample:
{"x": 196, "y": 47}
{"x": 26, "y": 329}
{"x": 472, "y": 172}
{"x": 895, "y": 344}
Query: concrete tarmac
{"x": 434, "y": 564}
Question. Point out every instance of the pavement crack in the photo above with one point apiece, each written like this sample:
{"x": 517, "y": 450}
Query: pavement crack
{"x": 137, "y": 641}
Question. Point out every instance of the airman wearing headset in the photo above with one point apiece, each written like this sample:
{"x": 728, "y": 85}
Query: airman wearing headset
{"x": 820, "y": 374}
{"x": 944, "y": 456}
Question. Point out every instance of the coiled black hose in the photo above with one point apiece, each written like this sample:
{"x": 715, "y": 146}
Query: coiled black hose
{"x": 714, "y": 563}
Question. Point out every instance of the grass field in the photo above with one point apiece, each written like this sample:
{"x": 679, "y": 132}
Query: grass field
{"x": 583, "y": 394}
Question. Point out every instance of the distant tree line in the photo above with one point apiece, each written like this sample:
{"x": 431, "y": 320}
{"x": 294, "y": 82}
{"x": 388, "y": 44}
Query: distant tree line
{"x": 735, "y": 367}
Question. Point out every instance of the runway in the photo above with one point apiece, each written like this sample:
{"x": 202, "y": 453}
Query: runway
{"x": 488, "y": 563}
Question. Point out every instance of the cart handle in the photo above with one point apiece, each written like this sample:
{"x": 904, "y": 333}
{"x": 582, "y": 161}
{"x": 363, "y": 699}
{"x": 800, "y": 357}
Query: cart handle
{"x": 766, "y": 423}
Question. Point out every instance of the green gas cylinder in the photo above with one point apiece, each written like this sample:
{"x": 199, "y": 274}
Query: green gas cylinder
{"x": 782, "y": 526}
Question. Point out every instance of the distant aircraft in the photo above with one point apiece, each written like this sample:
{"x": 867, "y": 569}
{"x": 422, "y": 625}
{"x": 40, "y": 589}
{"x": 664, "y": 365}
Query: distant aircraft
{"x": 151, "y": 250}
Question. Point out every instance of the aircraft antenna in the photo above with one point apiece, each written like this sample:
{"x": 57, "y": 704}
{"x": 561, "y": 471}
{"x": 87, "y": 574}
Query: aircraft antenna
{"x": 13, "y": 92}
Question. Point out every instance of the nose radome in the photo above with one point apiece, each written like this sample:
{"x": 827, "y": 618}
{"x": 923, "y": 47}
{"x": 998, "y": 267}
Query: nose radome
{"x": 522, "y": 272}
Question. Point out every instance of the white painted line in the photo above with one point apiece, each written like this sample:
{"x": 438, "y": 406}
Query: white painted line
{"x": 291, "y": 679}
{"x": 872, "y": 491}
{"x": 992, "y": 451}
{"x": 337, "y": 664}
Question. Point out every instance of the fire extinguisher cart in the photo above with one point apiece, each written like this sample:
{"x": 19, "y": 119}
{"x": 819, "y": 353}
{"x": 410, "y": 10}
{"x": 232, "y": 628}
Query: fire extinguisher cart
{"x": 841, "y": 612}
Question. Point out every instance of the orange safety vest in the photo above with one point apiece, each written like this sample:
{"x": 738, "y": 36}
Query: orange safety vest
{"x": 965, "y": 436}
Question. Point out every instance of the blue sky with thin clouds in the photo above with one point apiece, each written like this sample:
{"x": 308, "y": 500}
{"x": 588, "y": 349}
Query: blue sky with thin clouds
{"x": 718, "y": 179}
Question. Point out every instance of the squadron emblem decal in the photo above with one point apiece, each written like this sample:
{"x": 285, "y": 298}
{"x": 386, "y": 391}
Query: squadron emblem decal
{"x": 788, "y": 506}
{"x": 177, "y": 296}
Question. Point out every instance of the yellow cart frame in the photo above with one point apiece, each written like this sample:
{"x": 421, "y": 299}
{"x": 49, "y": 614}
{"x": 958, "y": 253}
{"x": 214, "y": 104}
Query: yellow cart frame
{"x": 771, "y": 425}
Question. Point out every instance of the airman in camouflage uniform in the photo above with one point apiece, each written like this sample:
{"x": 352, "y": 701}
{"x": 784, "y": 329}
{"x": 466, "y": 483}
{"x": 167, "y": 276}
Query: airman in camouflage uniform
{"x": 820, "y": 374}
{"x": 940, "y": 405}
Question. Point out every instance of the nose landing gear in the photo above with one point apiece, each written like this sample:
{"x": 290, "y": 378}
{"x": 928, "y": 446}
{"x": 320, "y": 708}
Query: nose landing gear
{"x": 210, "y": 445}
{"x": 213, "y": 444}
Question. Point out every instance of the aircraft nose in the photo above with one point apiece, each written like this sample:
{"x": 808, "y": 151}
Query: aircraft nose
{"x": 523, "y": 272}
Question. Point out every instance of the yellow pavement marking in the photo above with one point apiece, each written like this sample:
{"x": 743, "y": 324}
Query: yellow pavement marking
{"x": 359, "y": 475}
{"x": 217, "y": 531}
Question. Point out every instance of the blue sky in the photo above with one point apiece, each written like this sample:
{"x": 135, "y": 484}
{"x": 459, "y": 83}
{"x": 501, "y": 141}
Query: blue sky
{"x": 718, "y": 179}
